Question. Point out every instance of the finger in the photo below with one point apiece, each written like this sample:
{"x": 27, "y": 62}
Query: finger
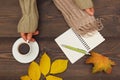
{"x": 36, "y": 32}
{"x": 24, "y": 36}
{"x": 90, "y": 11}
{"x": 32, "y": 39}
{"x": 29, "y": 36}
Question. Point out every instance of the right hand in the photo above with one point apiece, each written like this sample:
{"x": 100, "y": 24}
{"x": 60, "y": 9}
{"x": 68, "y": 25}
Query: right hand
{"x": 90, "y": 11}
{"x": 29, "y": 36}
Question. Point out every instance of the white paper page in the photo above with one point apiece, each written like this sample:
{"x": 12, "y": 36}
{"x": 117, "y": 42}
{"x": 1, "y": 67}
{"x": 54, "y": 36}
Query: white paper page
{"x": 71, "y": 39}
{"x": 93, "y": 40}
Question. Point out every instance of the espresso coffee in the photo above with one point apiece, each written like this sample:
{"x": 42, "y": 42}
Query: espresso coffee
{"x": 24, "y": 48}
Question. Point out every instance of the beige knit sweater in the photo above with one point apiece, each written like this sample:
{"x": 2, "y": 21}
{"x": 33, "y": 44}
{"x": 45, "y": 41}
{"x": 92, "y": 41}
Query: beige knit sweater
{"x": 29, "y": 21}
{"x": 76, "y": 18}
{"x": 84, "y": 4}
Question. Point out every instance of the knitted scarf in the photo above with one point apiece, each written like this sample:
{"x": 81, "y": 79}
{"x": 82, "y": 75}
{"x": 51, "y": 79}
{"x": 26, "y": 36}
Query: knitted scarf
{"x": 77, "y": 19}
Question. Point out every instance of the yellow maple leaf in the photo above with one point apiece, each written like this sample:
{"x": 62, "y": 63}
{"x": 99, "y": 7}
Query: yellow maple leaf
{"x": 45, "y": 64}
{"x": 58, "y": 66}
{"x": 50, "y": 77}
{"x": 101, "y": 63}
{"x": 26, "y": 77}
{"x": 34, "y": 71}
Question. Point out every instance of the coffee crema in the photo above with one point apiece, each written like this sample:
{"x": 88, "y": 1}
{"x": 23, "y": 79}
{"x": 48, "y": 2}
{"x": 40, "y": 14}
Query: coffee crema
{"x": 24, "y": 48}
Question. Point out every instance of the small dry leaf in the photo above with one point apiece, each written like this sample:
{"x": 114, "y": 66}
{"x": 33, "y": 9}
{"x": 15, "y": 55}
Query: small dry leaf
{"x": 45, "y": 64}
{"x": 26, "y": 77}
{"x": 50, "y": 77}
{"x": 34, "y": 71}
{"x": 101, "y": 63}
{"x": 58, "y": 66}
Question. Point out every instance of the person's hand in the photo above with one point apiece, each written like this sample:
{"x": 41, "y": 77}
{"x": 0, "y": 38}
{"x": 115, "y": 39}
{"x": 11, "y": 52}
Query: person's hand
{"x": 90, "y": 11}
{"x": 29, "y": 36}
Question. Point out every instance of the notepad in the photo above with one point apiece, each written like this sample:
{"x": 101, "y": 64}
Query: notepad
{"x": 72, "y": 39}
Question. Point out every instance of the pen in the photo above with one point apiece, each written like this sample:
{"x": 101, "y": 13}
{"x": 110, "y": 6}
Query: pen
{"x": 75, "y": 49}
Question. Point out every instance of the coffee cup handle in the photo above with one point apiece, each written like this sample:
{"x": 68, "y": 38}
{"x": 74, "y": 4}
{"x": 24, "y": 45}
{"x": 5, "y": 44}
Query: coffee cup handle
{"x": 27, "y": 41}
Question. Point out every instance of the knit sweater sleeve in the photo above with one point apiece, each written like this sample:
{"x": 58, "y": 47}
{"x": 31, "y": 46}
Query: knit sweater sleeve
{"x": 84, "y": 4}
{"x": 29, "y": 20}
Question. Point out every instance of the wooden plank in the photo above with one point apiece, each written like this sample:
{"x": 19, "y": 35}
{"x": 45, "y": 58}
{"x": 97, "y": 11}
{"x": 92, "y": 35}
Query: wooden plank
{"x": 9, "y": 16}
{"x": 111, "y": 44}
{"x": 108, "y": 10}
{"x": 51, "y": 23}
{"x": 48, "y": 19}
{"x": 79, "y": 70}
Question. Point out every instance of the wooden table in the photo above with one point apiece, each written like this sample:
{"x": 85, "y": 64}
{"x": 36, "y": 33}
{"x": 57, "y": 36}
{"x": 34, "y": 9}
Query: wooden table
{"x": 51, "y": 25}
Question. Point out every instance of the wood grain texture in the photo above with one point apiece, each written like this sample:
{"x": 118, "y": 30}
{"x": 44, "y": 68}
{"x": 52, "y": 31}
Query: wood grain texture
{"x": 79, "y": 70}
{"x": 51, "y": 25}
{"x": 51, "y": 21}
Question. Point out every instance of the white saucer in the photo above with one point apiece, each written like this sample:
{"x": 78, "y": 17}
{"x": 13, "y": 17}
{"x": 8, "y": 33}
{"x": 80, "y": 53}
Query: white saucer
{"x": 30, "y": 56}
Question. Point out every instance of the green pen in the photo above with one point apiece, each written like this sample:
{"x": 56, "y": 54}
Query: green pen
{"x": 75, "y": 49}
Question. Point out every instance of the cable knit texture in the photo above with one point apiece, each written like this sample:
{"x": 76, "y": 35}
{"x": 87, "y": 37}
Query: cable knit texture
{"x": 76, "y": 18}
{"x": 29, "y": 21}
{"x": 84, "y": 4}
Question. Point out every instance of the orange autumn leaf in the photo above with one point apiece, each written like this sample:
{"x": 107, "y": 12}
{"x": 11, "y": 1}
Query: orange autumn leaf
{"x": 101, "y": 63}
